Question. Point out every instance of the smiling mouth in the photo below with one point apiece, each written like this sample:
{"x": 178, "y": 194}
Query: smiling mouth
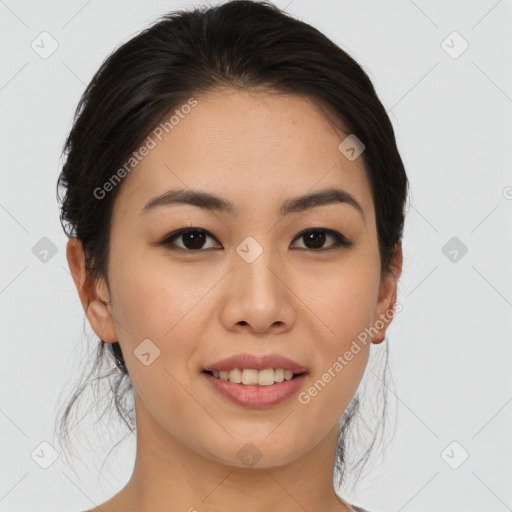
{"x": 255, "y": 378}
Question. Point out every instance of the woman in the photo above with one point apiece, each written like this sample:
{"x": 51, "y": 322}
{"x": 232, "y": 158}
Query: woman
{"x": 234, "y": 201}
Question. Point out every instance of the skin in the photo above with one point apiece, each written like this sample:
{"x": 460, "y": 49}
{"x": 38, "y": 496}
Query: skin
{"x": 255, "y": 149}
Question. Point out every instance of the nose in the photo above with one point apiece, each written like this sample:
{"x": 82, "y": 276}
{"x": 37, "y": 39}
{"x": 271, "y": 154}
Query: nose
{"x": 258, "y": 297}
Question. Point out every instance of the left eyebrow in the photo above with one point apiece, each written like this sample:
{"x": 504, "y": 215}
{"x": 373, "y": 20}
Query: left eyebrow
{"x": 209, "y": 201}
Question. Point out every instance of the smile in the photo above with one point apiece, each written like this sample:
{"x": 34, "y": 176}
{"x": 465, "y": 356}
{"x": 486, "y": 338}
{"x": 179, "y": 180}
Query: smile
{"x": 251, "y": 394}
{"x": 253, "y": 377}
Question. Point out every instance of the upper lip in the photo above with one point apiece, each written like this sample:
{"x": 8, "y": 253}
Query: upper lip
{"x": 250, "y": 361}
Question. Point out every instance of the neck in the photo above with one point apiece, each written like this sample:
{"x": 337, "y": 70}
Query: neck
{"x": 169, "y": 476}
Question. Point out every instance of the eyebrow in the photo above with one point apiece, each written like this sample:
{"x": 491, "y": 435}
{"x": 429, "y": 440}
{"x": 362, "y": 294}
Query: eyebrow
{"x": 209, "y": 201}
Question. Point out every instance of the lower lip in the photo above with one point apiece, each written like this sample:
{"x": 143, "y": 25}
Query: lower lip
{"x": 256, "y": 396}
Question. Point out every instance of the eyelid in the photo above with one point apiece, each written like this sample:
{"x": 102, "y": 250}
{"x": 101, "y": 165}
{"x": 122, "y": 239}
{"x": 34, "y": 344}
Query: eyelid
{"x": 340, "y": 240}
{"x": 168, "y": 239}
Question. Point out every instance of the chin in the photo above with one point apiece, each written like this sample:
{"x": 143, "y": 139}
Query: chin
{"x": 257, "y": 453}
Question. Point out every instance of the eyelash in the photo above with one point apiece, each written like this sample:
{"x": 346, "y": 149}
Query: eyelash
{"x": 339, "y": 240}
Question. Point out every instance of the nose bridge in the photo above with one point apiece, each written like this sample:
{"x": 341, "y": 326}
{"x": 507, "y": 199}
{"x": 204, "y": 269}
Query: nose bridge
{"x": 257, "y": 264}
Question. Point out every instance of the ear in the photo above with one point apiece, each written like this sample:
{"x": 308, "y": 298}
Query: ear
{"x": 93, "y": 294}
{"x": 387, "y": 296}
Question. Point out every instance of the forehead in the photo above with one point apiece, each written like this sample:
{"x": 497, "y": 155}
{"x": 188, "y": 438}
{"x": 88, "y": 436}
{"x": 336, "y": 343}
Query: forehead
{"x": 253, "y": 148}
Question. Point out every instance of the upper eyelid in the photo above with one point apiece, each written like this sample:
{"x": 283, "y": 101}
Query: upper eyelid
{"x": 176, "y": 234}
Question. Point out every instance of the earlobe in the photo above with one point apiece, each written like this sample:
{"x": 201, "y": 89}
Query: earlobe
{"x": 93, "y": 294}
{"x": 387, "y": 297}
{"x": 382, "y": 316}
{"x": 101, "y": 320}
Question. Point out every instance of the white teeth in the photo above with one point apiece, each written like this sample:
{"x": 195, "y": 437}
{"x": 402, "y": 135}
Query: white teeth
{"x": 249, "y": 377}
{"x": 235, "y": 376}
{"x": 279, "y": 375}
{"x": 266, "y": 377}
{"x": 252, "y": 377}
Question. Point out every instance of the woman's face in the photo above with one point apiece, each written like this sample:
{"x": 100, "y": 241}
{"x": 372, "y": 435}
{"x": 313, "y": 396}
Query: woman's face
{"x": 248, "y": 283}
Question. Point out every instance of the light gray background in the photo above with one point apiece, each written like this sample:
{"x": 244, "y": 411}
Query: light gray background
{"x": 451, "y": 347}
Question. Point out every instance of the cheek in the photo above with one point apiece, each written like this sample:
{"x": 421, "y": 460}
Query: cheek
{"x": 155, "y": 302}
{"x": 328, "y": 393}
{"x": 345, "y": 308}
{"x": 344, "y": 299}
{"x": 155, "y": 298}
{"x": 168, "y": 305}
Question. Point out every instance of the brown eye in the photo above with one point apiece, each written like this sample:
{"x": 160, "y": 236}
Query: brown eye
{"x": 314, "y": 239}
{"x": 193, "y": 239}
